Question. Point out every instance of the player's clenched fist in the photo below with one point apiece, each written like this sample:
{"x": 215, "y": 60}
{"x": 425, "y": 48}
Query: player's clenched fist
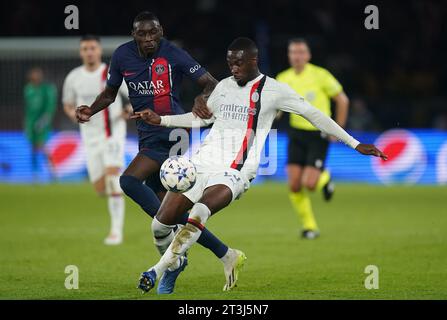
{"x": 147, "y": 116}
{"x": 83, "y": 114}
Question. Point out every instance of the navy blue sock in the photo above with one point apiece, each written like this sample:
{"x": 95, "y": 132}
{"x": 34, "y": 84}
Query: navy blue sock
{"x": 149, "y": 202}
{"x": 141, "y": 194}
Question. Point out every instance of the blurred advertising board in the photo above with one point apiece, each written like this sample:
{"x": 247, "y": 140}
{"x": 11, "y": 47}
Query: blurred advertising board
{"x": 415, "y": 157}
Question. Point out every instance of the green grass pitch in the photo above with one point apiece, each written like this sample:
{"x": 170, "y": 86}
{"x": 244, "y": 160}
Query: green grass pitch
{"x": 402, "y": 230}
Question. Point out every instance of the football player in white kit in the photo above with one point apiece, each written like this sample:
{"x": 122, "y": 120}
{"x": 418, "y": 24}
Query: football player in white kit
{"x": 243, "y": 109}
{"x": 104, "y": 135}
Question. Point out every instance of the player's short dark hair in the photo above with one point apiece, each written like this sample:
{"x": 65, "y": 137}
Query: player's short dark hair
{"x": 89, "y": 37}
{"x": 243, "y": 43}
{"x": 145, "y": 16}
{"x": 299, "y": 40}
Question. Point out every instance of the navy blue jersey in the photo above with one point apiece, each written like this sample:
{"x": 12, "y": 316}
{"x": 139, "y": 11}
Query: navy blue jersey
{"x": 153, "y": 82}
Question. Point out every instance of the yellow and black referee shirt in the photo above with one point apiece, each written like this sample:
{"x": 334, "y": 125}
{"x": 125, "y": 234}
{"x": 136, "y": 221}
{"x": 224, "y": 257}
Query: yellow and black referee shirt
{"x": 316, "y": 85}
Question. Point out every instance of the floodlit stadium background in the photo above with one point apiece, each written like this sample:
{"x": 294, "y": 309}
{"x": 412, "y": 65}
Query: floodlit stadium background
{"x": 390, "y": 215}
{"x": 392, "y": 75}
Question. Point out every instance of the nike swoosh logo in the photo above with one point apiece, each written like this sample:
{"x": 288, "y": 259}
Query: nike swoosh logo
{"x": 127, "y": 73}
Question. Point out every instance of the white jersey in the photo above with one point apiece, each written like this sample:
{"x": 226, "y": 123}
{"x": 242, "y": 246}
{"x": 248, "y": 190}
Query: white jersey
{"x": 81, "y": 87}
{"x": 242, "y": 118}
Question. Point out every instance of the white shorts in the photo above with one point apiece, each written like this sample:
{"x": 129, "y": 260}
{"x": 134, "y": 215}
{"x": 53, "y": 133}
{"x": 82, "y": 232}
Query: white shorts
{"x": 105, "y": 154}
{"x": 231, "y": 178}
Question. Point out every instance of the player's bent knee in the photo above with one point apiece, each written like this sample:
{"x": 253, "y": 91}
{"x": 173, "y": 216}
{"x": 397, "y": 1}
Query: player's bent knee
{"x": 128, "y": 183}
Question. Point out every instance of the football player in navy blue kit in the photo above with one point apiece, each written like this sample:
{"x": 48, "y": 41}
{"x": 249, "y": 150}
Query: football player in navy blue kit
{"x": 153, "y": 69}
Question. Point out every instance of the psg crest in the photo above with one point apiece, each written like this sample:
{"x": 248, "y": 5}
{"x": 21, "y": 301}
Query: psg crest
{"x": 159, "y": 68}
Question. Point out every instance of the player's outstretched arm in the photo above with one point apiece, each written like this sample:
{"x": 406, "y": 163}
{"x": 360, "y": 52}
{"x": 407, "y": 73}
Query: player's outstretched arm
{"x": 105, "y": 98}
{"x": 148, "y": 116}
{"x": 329, "y": 126}
{"x": 199, "y": 109}
{"x": 187, "y": 120}
{"x": 292, "y": 102}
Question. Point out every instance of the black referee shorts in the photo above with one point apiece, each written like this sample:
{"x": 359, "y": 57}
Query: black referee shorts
{"x": 307, "y": 148}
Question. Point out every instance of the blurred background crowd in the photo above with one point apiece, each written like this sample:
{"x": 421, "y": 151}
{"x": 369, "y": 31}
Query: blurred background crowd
{"x": 395, "y": 76}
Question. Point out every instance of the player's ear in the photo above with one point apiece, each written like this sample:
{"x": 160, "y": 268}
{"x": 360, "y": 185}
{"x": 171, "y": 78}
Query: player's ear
{"x": 132, "y": 31}
{"x": 161, "y": 31}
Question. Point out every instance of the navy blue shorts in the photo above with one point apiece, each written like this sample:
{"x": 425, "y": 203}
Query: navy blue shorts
{"x": 156, "y": 147}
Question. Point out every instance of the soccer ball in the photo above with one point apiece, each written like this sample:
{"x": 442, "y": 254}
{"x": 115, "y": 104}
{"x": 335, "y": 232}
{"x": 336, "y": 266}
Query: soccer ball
{"x": 178, "y": 174}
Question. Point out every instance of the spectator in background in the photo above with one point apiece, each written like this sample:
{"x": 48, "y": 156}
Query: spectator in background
{"x": 360, "y": 118}
{"x": 40, "y": 105}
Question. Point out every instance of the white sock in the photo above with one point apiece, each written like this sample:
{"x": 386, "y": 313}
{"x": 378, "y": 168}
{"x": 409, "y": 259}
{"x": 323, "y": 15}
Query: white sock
{"x": 175, "y": 265}
{"x": 116, "y": 209}
{"x": 169, "y": 260}
{"x": 163, "y": 236}
{"x": 229, "y": 256}
{"x": 184, "y": 239}
{"x": 163, "y": 244}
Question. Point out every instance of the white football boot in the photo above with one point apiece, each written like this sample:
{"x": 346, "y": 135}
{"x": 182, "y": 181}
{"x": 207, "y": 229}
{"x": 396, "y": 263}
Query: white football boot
{"x": 232, "y": 266}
